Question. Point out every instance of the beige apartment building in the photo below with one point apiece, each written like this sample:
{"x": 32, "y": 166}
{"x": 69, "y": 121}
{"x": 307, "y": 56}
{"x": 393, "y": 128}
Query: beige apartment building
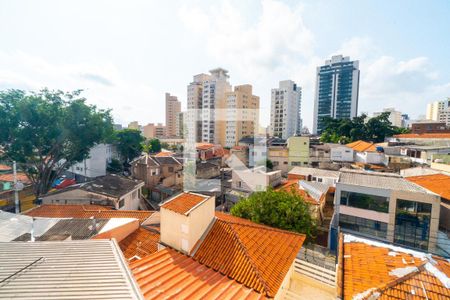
{"x": 153, "y": 130}
{"x": 242, "y": 117}
{"x": 173, "y": 108}
{"x": 134, "y": 125}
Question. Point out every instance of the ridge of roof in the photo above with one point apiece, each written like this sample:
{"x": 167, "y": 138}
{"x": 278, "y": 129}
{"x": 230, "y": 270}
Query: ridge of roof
{"x": 247, "y": 255}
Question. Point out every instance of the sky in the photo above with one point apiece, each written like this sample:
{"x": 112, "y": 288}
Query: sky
{"x": 126, "y": 55}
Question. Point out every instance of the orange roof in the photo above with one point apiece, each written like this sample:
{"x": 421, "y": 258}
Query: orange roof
{"x": 437, "y": 183}
{"x": 5, "y": 168}
{"x": 203, "y": 146}
{"x": 373, "y": 268}
{"x": 184, "y": 202}
{"x": 140, "y": 243}
{"x": 255, "y": 255}
{"x": 423, "y": 136}
{"x": 10, "y": 177}
{"x": 362, "y": 146}
{"x": 85, "y": 212}
{"x": 292, "y": 186}
{"x": 170, "y": 274}
{"x": 164, "y": 154}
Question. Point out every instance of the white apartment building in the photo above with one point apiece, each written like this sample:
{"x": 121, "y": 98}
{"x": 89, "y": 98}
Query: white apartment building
{"x": 194, "y": 105}
{"x": 95, "y": 165}
{"x": 435, "y": 108}
{"x": 241, "y": 115}
{"x": 285, "y": 113}
{"x": 395, "y": 117}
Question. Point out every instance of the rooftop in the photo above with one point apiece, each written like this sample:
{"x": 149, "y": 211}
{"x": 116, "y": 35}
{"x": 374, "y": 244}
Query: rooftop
{"x": 140, "y": 243}
{"x": 374, "y": 270}
{"x": 314, "y": 172}
{"x": 183, "y": 203}
{"x": 437, "y": 183}
{"x": 86, "y": 211}
{"x": 10, "y": 177}
{"x": 423, "y": 136}
{"x": 5, "y": 168}
{"x": 362, "y": 146}
{"x": 291, "y": 185}
{"x": 255, "y": 255}
{"x": 108, "y": 185}
{"x": 91, "y": 269}
{"x": 170, "y": 274}
{"x": 166, "y": 160}
{"x": 380, "y": 181}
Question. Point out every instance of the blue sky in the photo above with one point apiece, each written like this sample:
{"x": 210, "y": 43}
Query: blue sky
{"x": 127, "y": 54}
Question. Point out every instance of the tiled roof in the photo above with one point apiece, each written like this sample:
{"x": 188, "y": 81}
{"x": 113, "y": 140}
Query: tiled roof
{"x": 5, "y": 168}
{"x": 203, "y": 146}
{"x": 291, "y": 185}
{"x": 166, "y": 160}
{"x": 184, "y": 202}
{"x": 255, "y": 255}
{"x": 86, "y": 211}
{"x": 437, "y": 183}
{"x": 10, "y": 178}
{"x": 140, "y": 243}
{"x": 380, "y": 180}
{"x": 170, "y": 274}
{"x": 362, "y": 146}
{"x": 382, "y": 271}
{"x": 164, "y": 153}
{"x": 423, "y": 136}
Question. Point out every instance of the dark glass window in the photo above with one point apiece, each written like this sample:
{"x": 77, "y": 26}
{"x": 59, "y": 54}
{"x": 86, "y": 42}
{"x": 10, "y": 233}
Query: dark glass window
{"x": 365, "y": 201}
{"x": 363, "y": 226}
{"x": 412, "y": 223}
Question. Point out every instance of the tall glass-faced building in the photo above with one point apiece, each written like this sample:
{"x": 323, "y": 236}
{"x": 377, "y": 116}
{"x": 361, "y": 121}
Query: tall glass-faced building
{"x": 337, "y": 89}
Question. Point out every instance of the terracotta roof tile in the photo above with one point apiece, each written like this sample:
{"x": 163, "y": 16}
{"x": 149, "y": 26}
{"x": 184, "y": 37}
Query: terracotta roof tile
{"x": 184, "y": 202}
{"x": 292, "y": 185}
{"x": 164, "y": 154}
{"x": 423, "y": 136}
{"x": 5, "y": 168}
{"x": 203, "y": 146}
{"x": 255, "y": 255}
{"x": 370, "y": 269}
{"x": 170, "y": 274}
{"x": 10, "y": 177}
{"x": 140, "y": 243}
{"x": 362, "y": 146}
{"x": 437, "y": 183}
{"x": 86, "y": 211}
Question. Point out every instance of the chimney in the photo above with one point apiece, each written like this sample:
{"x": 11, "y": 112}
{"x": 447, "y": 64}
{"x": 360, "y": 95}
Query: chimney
{"x": 184, "y": 220}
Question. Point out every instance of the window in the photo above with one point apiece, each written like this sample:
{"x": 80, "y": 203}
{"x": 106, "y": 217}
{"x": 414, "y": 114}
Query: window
{"x": 363, "y": 226}
{"x": 296, "y": 163}
{"x": 121, "y": 203}
{"x": 365, "y": 201}
{"x": 412, "y": 223}
{"x": 170, "y": 169}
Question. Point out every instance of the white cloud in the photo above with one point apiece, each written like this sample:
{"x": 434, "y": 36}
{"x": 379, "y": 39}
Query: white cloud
{"x": 103, "y": 84}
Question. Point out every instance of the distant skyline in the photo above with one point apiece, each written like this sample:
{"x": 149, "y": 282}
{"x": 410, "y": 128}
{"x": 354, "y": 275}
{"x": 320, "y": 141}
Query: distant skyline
{"x": 128, "y": 54}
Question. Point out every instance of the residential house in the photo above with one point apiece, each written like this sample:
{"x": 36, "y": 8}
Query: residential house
{"x": 298, "y": 149}
{"x": 207, "y": 170}
{"x": 91, "y": 269}
{"x": 278, "y": 154}
{"x": 429, "y": 127}
{"x": 7, "y": 198}
{"x": 240, "y": 153}
{"x": 197, "y": 246}
{"x": 369, "y": 269}
{"x": 367, "y": 153}
{"x": 327, "y": 177}
{"x": 387, "y": 207}
{"x": 255, "y": 179}
{"x": 424, "y": 154}
{"x": 110, "y": 190}
{"x": 257, "y": 150}
{"x": 95, "y": 165}
{"x": 210, "y": 152}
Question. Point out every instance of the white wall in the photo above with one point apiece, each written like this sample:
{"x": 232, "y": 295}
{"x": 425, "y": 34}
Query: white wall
{"x": 95, "y": 166}
{"x": 341, "y": 154}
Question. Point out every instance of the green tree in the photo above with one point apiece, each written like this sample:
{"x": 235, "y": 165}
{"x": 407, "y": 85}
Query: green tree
{"x": 115, "y": 166}
{"x": 280, "y": 209}
{"x": 129, "y": 143}
{"x": 46, "y": 132}
{"x": 269, "y": 164}
{"x": 152, "y": 146}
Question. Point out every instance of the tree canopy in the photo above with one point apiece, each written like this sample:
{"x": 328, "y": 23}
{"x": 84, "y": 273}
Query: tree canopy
{"x": 343, "y": 131}
{"x": 280, "y": 209}
{"x": 128, "y": 143}
{"x": 45, "y": 132}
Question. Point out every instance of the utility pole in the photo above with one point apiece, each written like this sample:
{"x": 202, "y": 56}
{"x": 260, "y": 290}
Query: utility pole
{"x": 16, "y": 191}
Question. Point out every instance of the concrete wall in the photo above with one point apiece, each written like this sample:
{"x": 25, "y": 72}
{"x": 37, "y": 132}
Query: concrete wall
{"x": 182, "y": 232}
{"x": 341, "y": 154}
{"x": 298, "y": 151}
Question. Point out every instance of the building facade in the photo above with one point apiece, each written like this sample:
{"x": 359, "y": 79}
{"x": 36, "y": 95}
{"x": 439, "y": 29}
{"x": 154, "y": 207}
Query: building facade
{"x": 173, "y": 108}
{"x": 285, "y": 114}
{"x": 337, "y": 91}
{"x": 435, "y": 109}
{"x": 395, "y": 117}
{"x": 241, "y": 115}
